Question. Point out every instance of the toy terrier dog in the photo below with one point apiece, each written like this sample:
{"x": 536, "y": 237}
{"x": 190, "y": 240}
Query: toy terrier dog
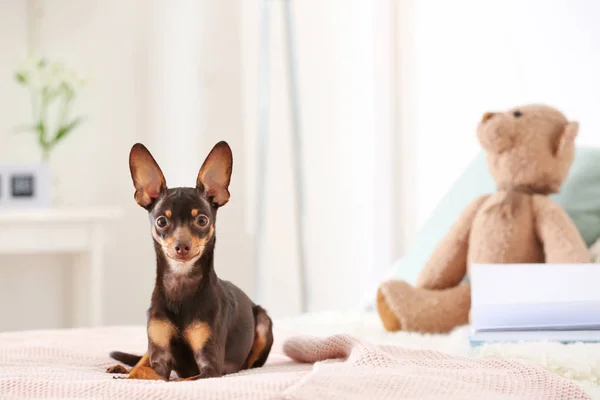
{"x": 198, "y": 325}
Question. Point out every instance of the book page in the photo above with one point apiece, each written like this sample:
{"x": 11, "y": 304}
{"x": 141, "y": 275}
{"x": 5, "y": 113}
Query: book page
{"x": 527, "y": 296}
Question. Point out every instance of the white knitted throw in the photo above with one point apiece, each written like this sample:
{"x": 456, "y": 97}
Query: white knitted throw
{"x": 70, "y": 364}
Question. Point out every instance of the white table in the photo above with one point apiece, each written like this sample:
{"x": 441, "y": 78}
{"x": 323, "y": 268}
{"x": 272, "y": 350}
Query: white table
{"x": 78, "y": 232}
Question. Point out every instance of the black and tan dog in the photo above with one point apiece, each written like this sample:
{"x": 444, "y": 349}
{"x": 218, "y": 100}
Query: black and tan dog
{"x": 198, "y": 325}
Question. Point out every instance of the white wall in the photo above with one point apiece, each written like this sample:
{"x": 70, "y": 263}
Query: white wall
{"x": 467, "y": 57}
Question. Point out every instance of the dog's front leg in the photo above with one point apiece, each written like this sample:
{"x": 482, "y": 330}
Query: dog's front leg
{"x": 156, "y": 365}
{"x": 209, "y": 363}
{"x": 207, "y": 352}
{"x": 160, "y": 361}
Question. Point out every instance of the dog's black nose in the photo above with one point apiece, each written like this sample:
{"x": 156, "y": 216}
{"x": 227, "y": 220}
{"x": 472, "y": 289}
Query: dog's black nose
{"x": 182, "y": 248}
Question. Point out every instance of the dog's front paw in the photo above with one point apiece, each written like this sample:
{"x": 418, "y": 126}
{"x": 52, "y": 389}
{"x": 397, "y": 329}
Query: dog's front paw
{"x": 209, "y": 372}
{"x": 117, "y": 369}
{"x": 204, "y": 374}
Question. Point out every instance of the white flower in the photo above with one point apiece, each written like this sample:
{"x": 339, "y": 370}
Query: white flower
{"x": 53, "y": 86}
{"x": 40, "y": 74}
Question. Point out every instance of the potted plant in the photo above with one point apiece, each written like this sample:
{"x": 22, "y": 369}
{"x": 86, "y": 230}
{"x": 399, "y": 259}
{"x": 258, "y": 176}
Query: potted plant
{"x": 53, "y": 89}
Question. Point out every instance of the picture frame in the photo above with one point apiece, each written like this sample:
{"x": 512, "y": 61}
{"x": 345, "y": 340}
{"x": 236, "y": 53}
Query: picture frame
{"x": 26, "y": 185}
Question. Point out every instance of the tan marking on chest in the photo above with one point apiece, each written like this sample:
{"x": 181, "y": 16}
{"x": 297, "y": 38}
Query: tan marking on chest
{"x": 197, "y": 335}
{"x": 179, "y": 285}
{"x": 160, "y": 332}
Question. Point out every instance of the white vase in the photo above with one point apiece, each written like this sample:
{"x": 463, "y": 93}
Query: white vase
{"x": 53, "y": 185}
{"x": 57, "y": 195}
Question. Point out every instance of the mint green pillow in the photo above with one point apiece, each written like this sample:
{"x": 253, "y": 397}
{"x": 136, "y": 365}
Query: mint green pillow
{"x": 579, "y": 196}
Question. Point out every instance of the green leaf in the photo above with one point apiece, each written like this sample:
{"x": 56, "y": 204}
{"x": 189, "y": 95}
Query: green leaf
{"x": 40, "y": 127}
{"x": 21, "y": 77}
{"x": 67, "y": 89}
{"x": 65, "y": 129}
{"x": 42, "y": 142}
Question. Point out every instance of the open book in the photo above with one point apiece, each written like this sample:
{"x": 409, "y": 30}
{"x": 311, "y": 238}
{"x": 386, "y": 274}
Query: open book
{"x": 524, "y": 302}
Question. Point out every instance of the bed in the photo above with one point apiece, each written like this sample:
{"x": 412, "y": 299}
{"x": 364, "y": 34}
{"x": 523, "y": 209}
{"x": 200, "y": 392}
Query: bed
{"x": 355, "y": 358}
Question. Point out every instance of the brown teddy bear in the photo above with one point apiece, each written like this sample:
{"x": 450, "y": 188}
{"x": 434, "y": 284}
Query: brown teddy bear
{"x": 529, "y": 152}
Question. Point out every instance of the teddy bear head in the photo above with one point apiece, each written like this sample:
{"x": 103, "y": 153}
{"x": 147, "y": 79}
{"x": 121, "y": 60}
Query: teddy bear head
{"x": 529, "y": 148}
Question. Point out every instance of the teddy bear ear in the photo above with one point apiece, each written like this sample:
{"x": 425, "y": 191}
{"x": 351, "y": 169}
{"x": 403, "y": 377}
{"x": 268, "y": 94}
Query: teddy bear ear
{"x": 566, "y": 138}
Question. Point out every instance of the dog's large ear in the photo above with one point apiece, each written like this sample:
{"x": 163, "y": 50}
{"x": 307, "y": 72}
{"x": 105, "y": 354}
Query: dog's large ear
{"x": 215, "y": 174}
{"x": 148, "y": 179}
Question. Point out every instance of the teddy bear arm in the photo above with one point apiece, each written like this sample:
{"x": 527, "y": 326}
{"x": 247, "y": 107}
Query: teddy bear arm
{"x": 447, "y": 265}
{"x": 560, "y": 239}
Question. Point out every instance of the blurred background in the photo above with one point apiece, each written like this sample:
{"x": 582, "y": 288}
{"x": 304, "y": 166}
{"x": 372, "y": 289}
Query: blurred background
{"x": 390, "y": 92}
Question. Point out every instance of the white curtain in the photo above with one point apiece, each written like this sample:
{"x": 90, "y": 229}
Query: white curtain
{"x": 345, "y": 66}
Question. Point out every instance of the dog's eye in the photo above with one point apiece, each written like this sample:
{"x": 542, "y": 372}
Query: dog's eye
{"x": 517, "y": 114}
{"x": 161, "y": 222}
{"x": 202, "y": 220}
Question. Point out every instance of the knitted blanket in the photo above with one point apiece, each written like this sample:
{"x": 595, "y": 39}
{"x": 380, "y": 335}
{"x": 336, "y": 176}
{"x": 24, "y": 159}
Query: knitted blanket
{"x": 70, "y": 364}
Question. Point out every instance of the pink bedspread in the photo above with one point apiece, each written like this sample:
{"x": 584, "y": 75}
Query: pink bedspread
{"x": 71, "y": 363}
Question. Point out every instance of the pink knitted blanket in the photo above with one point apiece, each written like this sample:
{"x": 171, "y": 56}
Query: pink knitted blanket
{"x": 70, "y": 364}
